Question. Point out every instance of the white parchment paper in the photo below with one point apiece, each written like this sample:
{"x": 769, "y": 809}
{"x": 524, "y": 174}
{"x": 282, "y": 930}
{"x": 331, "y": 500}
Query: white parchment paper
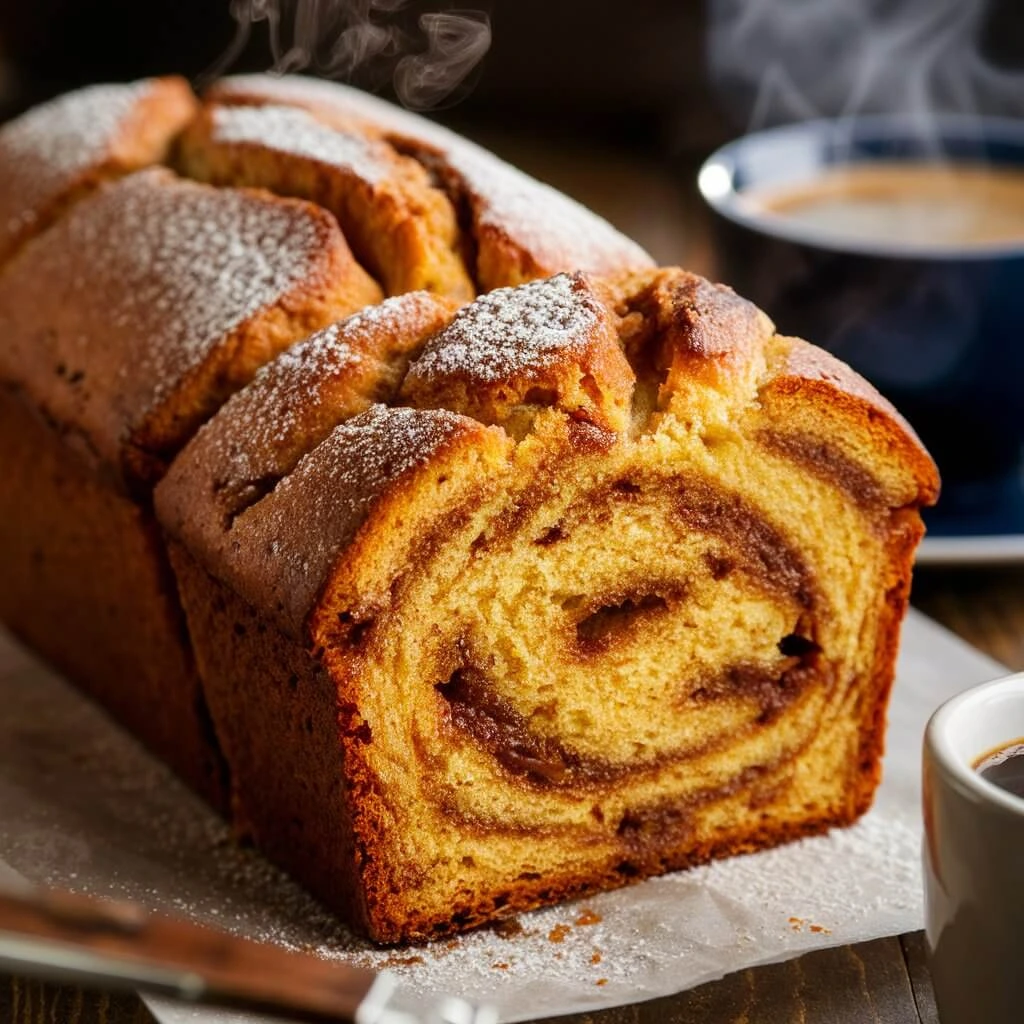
{"x": 83, "y": 807}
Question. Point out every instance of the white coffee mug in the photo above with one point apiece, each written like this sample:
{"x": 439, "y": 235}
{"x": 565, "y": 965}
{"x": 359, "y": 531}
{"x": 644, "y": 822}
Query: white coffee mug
{"x": 974, "y": 858}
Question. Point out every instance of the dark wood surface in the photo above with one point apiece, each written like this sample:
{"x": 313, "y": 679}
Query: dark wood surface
{"x": 884, "y": 981}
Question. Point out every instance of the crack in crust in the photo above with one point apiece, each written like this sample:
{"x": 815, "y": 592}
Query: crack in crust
{"x": 520, "y": 228}
{"x": 399, "y": 226}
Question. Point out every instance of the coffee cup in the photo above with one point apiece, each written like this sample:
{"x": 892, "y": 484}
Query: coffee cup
{"x": 973, "y": 856}
{"x": 930, "y": 310}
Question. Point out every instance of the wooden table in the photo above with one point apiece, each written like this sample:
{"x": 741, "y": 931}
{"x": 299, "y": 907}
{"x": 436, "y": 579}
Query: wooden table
{"x": 884, "y": 981}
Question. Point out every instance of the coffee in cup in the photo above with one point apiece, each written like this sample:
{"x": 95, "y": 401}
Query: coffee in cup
{"x": 903, "y": 203}
{"x": 1004, "y": 767}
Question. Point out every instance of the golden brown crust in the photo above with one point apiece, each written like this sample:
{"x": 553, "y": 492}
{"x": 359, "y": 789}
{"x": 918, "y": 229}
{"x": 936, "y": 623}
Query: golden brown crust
{"x": 172, "y": 294}
{"x": 86, "y": 580}
{"x": 400, "y": 227}
{"x": 829, "y": 387}
{"x": 57, "y": 153}
{"x": 521, "y": 228}
{"x": 702, "y": 329}
{"x": 548, "y": 344}
{"x": 289, "y": 411}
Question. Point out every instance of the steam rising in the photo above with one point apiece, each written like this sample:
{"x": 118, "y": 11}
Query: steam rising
{"x": 787, "y": 60}
{"x": 425, "y": 58}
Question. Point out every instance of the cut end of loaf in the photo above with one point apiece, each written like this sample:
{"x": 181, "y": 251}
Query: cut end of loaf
{"x": 625, "y": 663}
{"x": 571, "y": 643}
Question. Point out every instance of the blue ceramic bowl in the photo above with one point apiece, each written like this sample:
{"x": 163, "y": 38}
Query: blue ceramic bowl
{"x": 939, "y": 329}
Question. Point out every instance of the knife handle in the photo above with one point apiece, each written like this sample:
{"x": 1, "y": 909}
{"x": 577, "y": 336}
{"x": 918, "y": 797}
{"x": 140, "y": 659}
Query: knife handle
{"x": 115, "y": 944}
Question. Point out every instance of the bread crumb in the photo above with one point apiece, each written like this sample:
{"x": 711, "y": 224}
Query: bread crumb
{"x": 588, "y": 916}
{"x": 559, "y": 932}
{"x": 403, "y": 961}
{"x": 508, "y": 928}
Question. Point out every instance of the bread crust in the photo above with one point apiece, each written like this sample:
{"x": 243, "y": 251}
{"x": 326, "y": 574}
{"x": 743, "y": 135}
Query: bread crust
{"x": 400, "y": 227}
{"x": 57, "y": 153}
{"x": 81, "y": 361}
{"x": 86, "y": 581}
{"x": 521, "y": 229}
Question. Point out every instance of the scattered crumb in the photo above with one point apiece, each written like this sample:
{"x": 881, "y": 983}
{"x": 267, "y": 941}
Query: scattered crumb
{"x": 559, "y": 932}
{"x": 596, "y": 956}
{"x": 403, "y": 961}
{"x": 798, "y": 924}
{"x": 500, "y": 966}
{"x": 509, "y": 928}
{"x": 588, "y": 916}
{"x": 601, "y": 981}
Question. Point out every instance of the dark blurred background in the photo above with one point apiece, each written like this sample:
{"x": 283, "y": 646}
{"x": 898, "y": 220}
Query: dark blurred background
{"x": 638, "y": 67}
{"x": 634, "y": 71}
{"x": 582, "y": 68}
{"x": 587, "y": 95}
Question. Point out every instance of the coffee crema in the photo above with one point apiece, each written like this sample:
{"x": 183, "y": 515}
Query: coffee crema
{"x": 905, "y": 203}
{"x": 1004, "y": 767}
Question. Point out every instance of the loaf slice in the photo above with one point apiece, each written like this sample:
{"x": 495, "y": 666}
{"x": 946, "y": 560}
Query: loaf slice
{"x": 610, "y": 585}
{"x": 60, "y": 151}
{"x": 521, "y": 229}
{"x": 122, "y": 327}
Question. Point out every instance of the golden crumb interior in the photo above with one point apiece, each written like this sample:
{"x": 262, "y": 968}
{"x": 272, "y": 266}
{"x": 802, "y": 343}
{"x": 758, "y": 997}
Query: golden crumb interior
{"x": 664, "y": 655}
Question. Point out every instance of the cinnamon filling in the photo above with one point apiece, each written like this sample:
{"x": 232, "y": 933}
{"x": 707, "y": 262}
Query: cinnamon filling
{"x": 472, "y": 707}
{"x": 829, "y": 464}
{"x": 602, "y": 627}
{"x": 754, "y": 545}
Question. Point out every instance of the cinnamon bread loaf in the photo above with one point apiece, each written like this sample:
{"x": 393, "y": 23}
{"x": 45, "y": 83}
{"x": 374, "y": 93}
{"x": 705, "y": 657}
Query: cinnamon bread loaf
{"x": 546, "y": 572}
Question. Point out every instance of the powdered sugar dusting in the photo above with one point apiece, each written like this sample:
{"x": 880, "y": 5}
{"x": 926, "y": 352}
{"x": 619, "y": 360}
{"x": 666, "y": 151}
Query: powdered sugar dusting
{"x": 187, "y": 262}
{"x": 275, "y": 412}
{"x": 364, "y": 454}
{"x": 510, "y": 331}
{"x": 557, "y": 232}
{"x": 334, "y": 97}
{"x": 42, "y": 151}
{"x": 291, "y": 130}
{"x": 265, "y": 417}
{"x": 313, "y": 514}
{"x": 154, "y": 273}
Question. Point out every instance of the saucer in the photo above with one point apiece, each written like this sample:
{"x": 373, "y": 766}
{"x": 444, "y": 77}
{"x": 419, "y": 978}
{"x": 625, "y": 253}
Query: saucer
{"x": 976, "y": 524}
{"x": 998, "y": 549}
